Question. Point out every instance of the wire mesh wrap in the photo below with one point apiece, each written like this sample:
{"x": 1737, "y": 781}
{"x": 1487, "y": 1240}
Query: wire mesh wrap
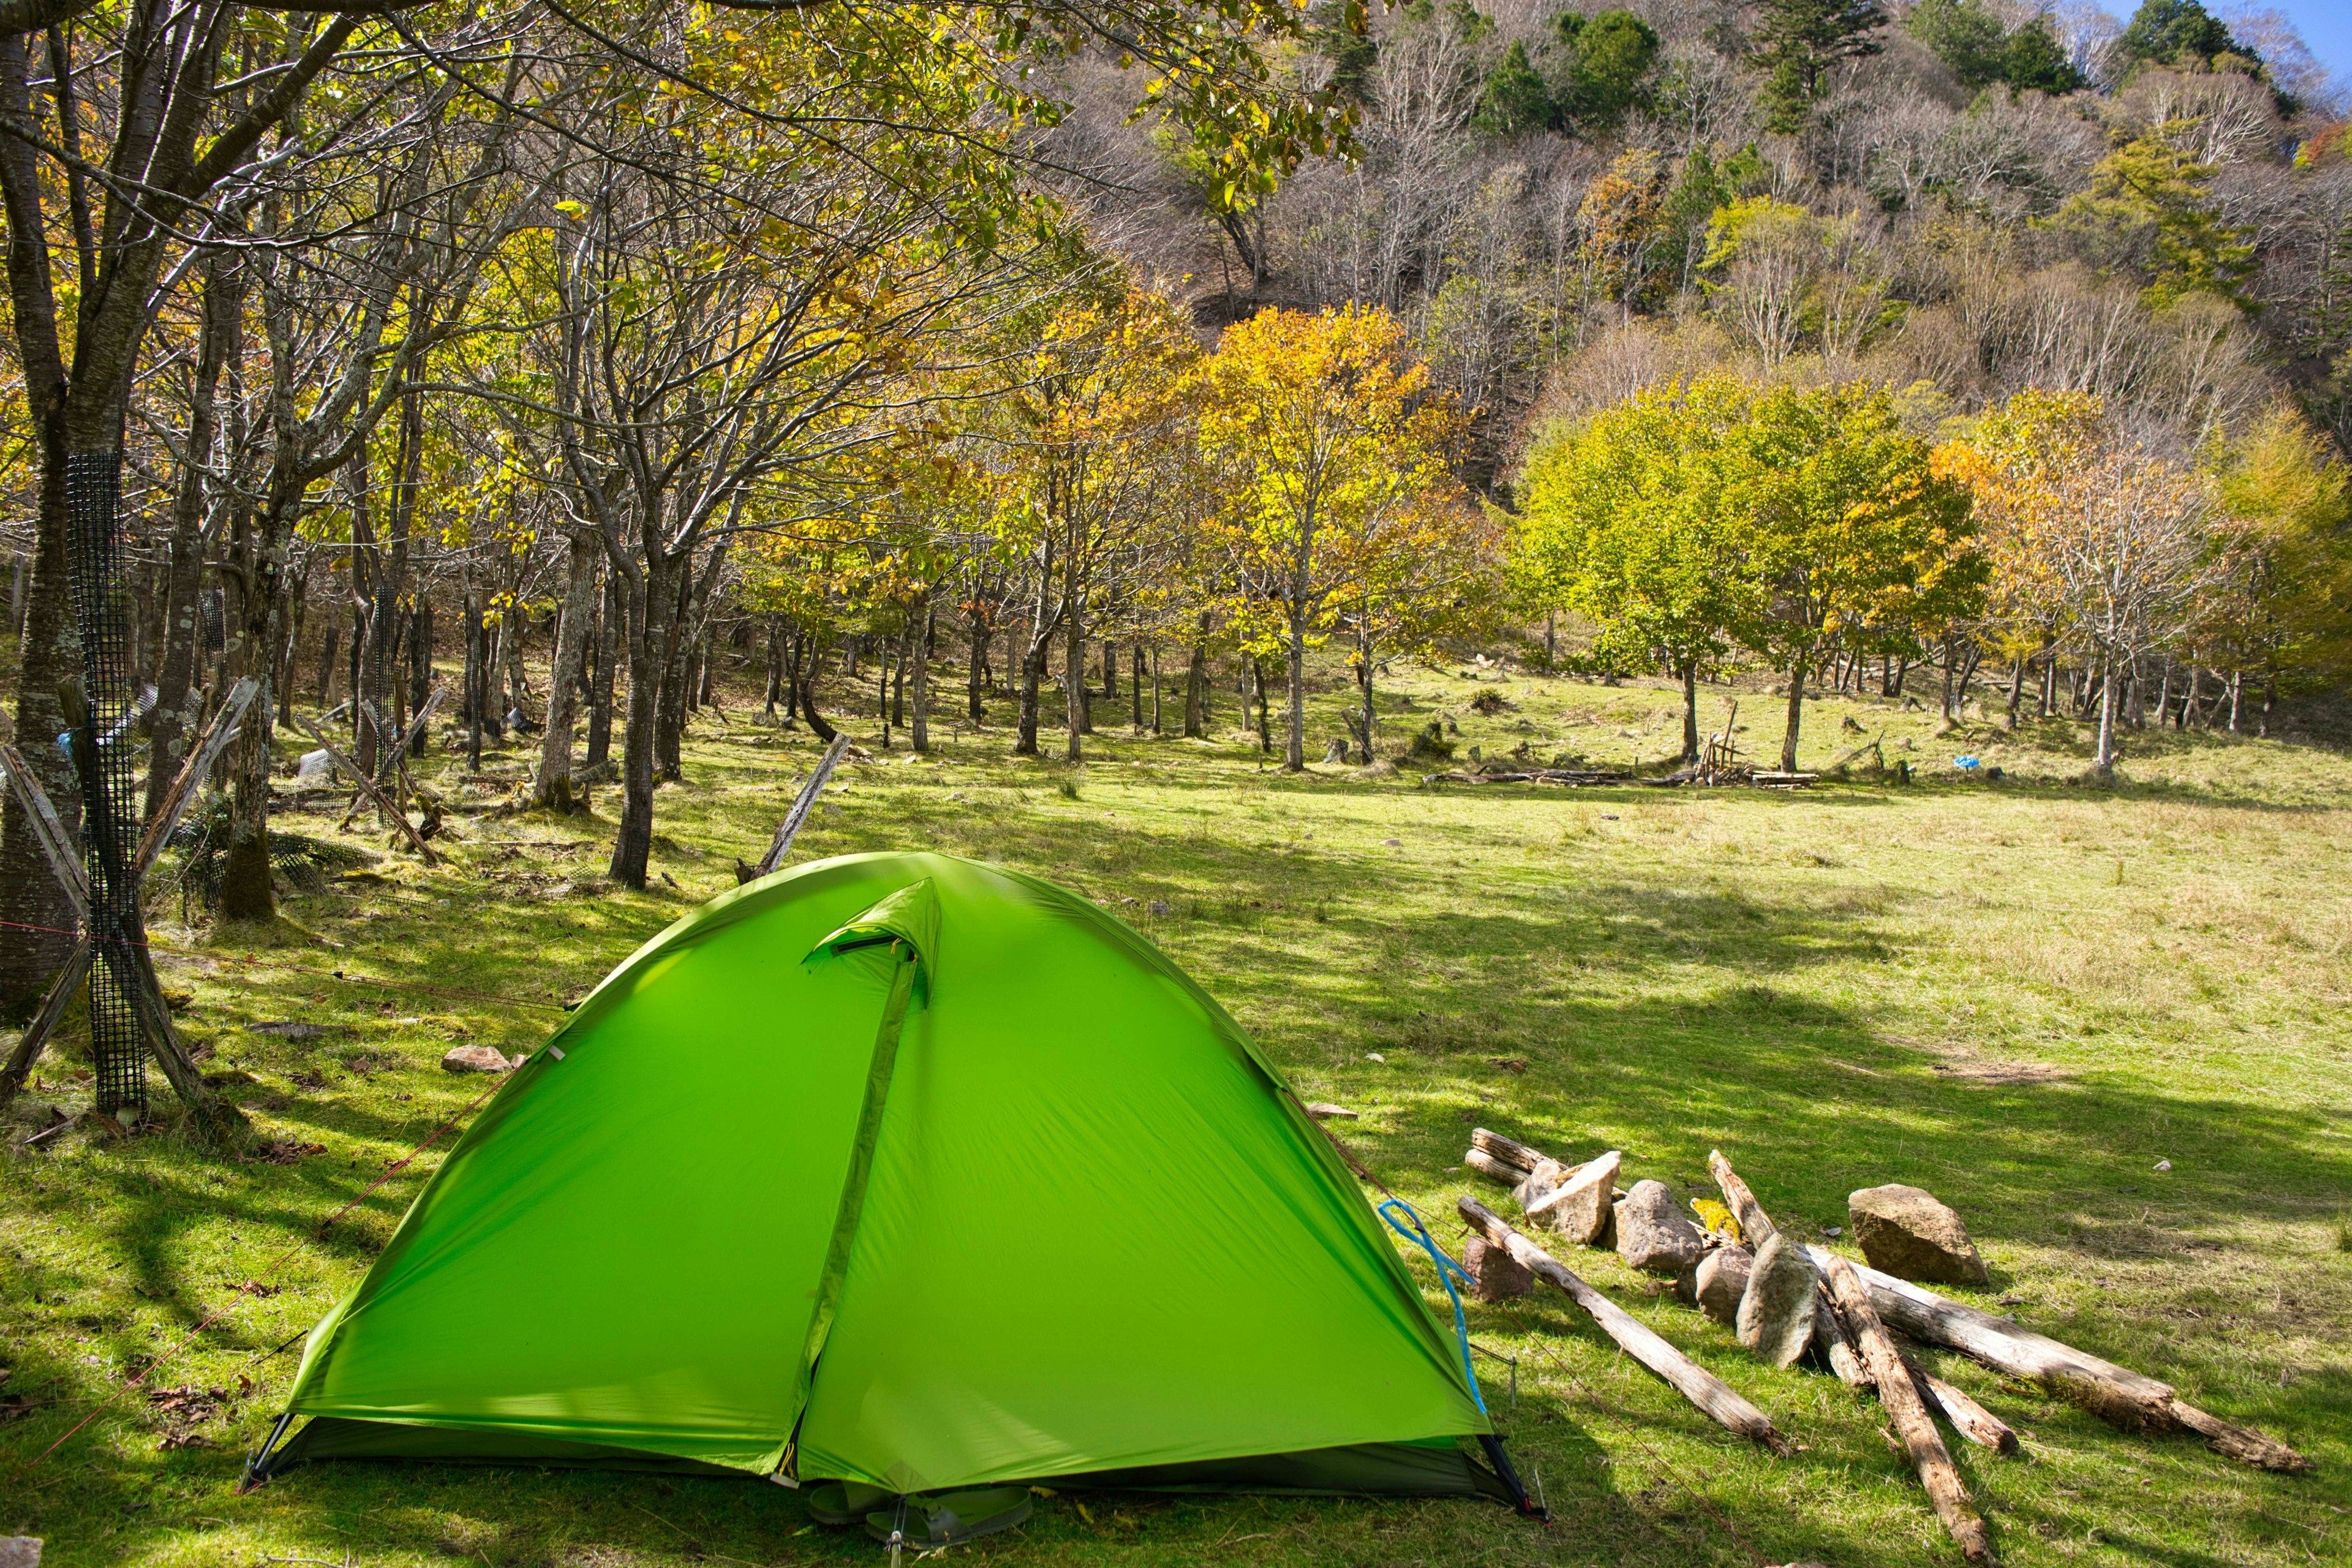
{"x": 104, "y": 748}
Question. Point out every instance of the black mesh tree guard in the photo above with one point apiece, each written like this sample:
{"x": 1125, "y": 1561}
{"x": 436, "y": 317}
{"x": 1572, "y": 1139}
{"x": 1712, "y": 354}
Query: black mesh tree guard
{"x": 103, "y": 747}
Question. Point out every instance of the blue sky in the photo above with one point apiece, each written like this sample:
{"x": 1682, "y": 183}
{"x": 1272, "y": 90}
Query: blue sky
{"x": 2326, "y": 26}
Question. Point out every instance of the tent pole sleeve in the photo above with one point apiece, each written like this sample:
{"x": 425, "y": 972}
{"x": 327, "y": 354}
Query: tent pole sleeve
{"x": 861, "y": 1165}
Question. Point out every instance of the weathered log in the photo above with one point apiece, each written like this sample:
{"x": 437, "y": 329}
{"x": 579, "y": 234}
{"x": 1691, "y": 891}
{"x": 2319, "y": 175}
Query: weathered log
{"x": 1756, "y": 1227}
{"x": 1969, "y": 1418}
{"x": 2117, "y": 1395}
{"x": 2243, "y": 1444}
{"x": 1720, "y": 1402}
{"x": 1487, "y": 1165}
{"x": 1509, "y": 1151}
{"x": 1900, "y": 1398}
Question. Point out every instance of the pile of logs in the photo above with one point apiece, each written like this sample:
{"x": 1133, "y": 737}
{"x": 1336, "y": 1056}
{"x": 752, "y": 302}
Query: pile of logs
{"x": 1865, "y": 1326}
{"x": 1573, "y": 777}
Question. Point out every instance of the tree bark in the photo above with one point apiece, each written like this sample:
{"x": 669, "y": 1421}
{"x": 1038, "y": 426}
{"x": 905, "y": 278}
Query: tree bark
{"x": 919, "y": 735}
{"x": 653, "y": 652}
{"x": 2104, "y": 765}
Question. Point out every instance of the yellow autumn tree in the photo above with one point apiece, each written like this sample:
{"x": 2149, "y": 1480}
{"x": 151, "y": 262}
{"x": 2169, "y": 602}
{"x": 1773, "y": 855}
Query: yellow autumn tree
{"x": 1333, "y": 442}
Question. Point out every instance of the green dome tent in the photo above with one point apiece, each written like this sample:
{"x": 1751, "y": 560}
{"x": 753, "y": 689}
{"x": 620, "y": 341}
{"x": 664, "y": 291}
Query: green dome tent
{"x": 908, "y": 1171}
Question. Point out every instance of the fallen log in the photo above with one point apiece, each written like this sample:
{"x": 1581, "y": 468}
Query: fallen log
{"x": 2115, "y": 1395}
{"x": 1717, "y": 1398}
{"x": 1509, "y": 1151}
{"x": 1487, "y": 1165}
{"x": 1900, "y": 1398}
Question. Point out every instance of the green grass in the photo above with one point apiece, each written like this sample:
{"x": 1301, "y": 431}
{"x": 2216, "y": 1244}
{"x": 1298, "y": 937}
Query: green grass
{"x": 2021, "y": 996}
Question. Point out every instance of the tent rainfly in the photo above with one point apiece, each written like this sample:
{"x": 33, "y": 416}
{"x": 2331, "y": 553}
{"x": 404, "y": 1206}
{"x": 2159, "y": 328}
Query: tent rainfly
{"x": 909, "y": 1172}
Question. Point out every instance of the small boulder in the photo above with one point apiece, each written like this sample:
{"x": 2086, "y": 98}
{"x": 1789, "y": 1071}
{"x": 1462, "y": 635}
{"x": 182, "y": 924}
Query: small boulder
{"x": 475, "y": 1059}
{"x": 1497, "y": 1275}
{"x": 1722, "y": 1282}
{"x": 20, "y": 1552}
{"x": 1652, "y": 1234}
{"x": 1776, "y": 1311}
{"x": 1578, "y": 1206}
{"x": 1906, "y": 1232}
{"x": 1539, "y": 1183}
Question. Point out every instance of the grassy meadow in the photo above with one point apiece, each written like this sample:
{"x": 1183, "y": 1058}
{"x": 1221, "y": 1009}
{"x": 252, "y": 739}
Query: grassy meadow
{"x": 2022, "y": 995}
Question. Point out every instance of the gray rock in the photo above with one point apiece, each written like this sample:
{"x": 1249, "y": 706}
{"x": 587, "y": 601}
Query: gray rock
{"x": 1652, "y": 1234}
{"x": 1776, "y": 1311}
{"x": 1722, "y": 1283}
{"x": 1497, "y": 1274}
{"x": 20, "y": 1552}
{"x": 1578, "y": 1205}
{"x": 475, "y": 1059}
{"x": 1906, "y": 1232}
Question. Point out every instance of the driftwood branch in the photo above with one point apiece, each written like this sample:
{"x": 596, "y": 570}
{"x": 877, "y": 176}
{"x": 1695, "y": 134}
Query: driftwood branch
{"x": 1686, "y": 1376}
{"x": 1901, "y": 1399}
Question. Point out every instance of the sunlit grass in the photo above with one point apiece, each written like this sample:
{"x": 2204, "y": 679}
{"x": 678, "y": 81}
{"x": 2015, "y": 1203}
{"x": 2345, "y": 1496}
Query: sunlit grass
{"x": 2020, "y": 995}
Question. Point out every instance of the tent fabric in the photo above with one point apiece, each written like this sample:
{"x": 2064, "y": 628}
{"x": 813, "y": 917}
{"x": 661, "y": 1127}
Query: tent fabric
{"x": 901, "y": 1169}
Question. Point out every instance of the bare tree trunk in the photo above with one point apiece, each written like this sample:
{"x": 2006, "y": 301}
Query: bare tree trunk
{"x": 919, "y": 732}
{"x": 1264, "y": 731}
{"x": 978, "y": 627}
{"x": 1690, "y": 710}
{"x": 654, "y": 637}
{"x": 2016, "y": 688}
{"x": 476, "y": 678}
{"x": 1196, "y": 693}
{"x": 1079, "y": 719}
{"x": 1294, "y": 759}
{"x": 1796, "y": 714}
{"x": 551, "y": 790}
{"x": 1156, "y": 691}
{"x": 612, "y": 625}
{"x": 2104, "y": 764}
{"x": 420, "y": 659}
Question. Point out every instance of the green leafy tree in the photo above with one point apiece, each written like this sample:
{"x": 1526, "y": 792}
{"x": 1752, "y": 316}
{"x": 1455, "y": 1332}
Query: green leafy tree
{"x": 1513, "y": 100}
{"x": 1598, "y": 68}
{"x": 1855, "y": 538}
{"x": 2150, "y": 208}
{"x": 1798, "y": 42}
{"x": 1963, "y": 34}
{"x": 2033, "y": 60}
{"x": 1632, "y": 522}
{"x": 2173, "y": 32}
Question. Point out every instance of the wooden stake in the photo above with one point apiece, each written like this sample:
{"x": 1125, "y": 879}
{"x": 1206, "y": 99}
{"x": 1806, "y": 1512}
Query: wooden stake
{"x": 1901, "y": 1400}
{"x": 1692, "y": 1382}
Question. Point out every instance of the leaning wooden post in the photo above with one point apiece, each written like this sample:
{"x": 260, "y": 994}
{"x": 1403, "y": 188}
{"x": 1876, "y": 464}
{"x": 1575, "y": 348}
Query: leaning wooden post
{"x": 1902, "y": 1403}
{"x": 790, "y": 829}
{"x": 367, "y": 788}
{"x": 1692, "y": 1382}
